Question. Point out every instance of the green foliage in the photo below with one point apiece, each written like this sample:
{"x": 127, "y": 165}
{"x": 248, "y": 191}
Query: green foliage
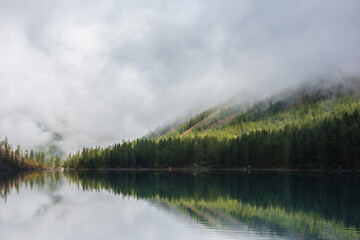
{"x": 57, "y": 161}
{"x": 16, "y": 159}
{"x": 194, "y": 120}
{"x": 259, "y": 118}
{"x": 322, "y": 134}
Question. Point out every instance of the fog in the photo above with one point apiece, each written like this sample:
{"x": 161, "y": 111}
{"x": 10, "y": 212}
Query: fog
{"x": 86, "y": 73}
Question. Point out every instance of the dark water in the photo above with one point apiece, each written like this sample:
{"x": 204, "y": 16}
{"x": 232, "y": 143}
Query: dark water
{"x": 179, "y": 205}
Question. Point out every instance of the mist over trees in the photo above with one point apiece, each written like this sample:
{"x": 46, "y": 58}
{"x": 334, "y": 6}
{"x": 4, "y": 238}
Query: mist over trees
{"x": 314, "y": 128}
{"x": 18, "y": 159}
{"x": 316, "y": 132}
{"x": 329, "y": 144}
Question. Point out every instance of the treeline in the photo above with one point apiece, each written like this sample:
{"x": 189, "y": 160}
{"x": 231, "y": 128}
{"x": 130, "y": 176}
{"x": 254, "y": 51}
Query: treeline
{"x": 330, "y": 143}
{"x": 17, "y": 158}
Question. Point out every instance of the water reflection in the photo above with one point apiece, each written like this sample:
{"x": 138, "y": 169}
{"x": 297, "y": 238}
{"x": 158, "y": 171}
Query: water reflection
{"x": 178, "y": 205}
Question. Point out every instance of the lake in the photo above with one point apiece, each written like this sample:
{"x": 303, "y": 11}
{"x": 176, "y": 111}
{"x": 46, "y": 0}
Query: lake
{"x": 179, "y": 205}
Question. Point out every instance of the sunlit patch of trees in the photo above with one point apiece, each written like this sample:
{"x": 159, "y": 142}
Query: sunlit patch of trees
{"x": 194, "y": 120}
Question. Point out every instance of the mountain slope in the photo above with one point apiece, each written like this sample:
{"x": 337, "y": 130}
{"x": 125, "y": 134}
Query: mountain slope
{"x": 312, "y": 127}
{"x": 305, "y": 104}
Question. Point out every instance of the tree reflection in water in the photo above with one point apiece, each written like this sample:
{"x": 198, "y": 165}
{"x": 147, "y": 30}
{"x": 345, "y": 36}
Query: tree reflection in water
{"x": 314, "y": 205}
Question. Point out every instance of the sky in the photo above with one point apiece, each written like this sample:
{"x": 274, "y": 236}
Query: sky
{"x": 87, "y": 73}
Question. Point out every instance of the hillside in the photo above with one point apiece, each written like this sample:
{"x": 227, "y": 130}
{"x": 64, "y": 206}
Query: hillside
{"x": 319, "y": 98}
{"x": 311, "y": 127}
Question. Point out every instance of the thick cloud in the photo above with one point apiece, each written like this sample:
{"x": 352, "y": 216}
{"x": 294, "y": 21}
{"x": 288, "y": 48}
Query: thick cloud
{"x": 99, "y": 71}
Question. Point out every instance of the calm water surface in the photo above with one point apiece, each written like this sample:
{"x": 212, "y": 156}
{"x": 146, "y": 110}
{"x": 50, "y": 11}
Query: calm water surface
{"x": 179, "y": 205}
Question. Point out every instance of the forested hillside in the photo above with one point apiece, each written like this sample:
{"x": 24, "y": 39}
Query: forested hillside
{"x": 311, "y": 127}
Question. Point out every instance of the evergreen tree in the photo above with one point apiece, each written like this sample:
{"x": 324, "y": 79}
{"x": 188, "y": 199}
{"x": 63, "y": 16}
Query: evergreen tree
{"x": 57, "y": 161}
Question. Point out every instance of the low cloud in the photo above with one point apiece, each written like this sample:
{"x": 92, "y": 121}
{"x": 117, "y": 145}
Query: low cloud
{"x": 97, "y": 72}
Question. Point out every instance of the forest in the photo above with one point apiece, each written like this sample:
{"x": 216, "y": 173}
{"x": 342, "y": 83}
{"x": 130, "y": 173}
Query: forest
{"x": 12, "y": 160}
{"x": 316, "y": 134}
{"x": 303, "y": 129}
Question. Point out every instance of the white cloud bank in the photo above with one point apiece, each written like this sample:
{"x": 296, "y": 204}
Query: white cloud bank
{"x": 98, "y": 72}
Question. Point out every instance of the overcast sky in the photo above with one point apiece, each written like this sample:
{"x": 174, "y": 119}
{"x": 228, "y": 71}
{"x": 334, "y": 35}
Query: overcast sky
{"x": 98, "y": 72}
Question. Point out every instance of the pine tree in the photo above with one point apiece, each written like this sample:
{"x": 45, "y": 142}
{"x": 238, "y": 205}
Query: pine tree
{"x": 57, "y": 161}
{"x": 32, "y": 155}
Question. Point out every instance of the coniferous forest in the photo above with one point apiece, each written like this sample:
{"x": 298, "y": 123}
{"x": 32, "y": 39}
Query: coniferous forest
{"x": 306, "y": 129}
{"x": 318, "y": 132}
{"x": 14, "y": 159}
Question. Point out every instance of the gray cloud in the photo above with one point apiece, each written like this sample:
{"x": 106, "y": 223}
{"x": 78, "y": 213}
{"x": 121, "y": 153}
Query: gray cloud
{"x": 100, "y": 71}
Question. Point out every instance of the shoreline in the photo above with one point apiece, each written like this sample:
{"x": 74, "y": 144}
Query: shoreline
{"x": 217, "y": 169}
